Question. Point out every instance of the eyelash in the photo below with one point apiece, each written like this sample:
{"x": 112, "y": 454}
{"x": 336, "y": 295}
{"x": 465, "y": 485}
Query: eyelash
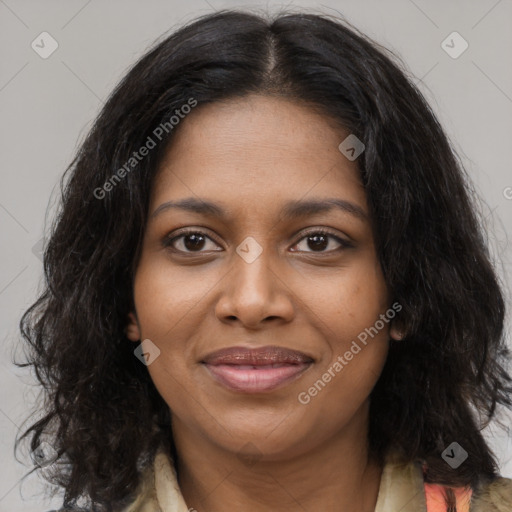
{"x": 168, "y": 240}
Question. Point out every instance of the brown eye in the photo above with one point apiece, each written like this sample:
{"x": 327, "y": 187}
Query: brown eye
{"x": 189, "y": 241}
{"x": 319, "y": 241}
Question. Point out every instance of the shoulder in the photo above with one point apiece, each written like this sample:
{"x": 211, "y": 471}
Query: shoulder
{"x": 493, "y": 496}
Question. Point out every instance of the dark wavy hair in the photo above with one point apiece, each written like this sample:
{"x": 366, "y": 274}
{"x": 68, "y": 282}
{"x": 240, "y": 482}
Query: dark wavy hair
{"x": 442, "y": 383}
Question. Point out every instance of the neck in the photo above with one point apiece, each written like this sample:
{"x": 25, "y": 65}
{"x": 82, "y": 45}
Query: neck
{"x": 335, "y": 475}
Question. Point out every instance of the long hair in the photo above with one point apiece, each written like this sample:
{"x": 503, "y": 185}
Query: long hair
{"x": 102, "y": 413}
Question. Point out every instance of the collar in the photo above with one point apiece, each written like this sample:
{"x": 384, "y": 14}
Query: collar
{"x": 401, "y": 488}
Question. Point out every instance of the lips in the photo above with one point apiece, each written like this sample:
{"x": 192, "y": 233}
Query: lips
{"x": 255, "y": 370}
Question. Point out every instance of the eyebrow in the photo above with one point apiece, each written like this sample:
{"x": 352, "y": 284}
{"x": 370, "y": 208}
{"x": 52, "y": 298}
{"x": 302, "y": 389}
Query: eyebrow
{"x": 291, "y": 209}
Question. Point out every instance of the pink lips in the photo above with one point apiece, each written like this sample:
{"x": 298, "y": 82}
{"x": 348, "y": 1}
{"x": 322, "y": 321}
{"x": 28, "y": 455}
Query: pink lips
{"x": 256, "y": 370}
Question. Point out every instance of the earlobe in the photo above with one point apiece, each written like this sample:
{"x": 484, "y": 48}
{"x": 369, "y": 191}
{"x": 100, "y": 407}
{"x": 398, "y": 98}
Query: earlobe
{"x": 396, "y": 332}
{"x": 132, "y": 330}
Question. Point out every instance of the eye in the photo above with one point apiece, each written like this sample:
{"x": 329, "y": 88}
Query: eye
{"x": 320, "y": 239}
{"x": 195, "y": 241}
{"x": 189, "y": 241}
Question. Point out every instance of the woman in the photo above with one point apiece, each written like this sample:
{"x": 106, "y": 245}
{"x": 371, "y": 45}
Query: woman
{"x": 268, "y": 289}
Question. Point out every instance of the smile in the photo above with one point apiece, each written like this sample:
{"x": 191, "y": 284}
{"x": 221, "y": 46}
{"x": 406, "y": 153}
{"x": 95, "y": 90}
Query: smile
{"x": 256, "y": 370}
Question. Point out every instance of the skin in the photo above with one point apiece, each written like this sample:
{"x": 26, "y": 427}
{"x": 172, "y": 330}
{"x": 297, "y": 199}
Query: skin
{"x": 263, "y": 451}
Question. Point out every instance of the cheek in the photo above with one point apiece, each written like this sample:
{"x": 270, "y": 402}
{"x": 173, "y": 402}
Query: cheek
{"x": 166, "y": 296}
{"x": 347, "y": 310}
{"x": 339, "y": 390}
{"x": 167, "y": 302}
{"x": 356, "y": 351}
{"x": 348, "y": 303}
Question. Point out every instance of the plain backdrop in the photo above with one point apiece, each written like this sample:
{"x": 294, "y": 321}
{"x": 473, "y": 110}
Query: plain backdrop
{"x": 48, "y": 104}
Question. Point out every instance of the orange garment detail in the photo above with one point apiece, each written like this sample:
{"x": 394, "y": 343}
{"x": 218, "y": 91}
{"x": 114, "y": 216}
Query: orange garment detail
{"x": 434, "y": 494}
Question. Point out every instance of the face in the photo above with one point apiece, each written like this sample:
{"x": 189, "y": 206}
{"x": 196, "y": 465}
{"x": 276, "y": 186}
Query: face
{"x": 253, "y": 269}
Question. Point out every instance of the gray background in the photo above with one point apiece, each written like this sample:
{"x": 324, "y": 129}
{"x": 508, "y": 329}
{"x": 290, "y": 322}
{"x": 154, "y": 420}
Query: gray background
{"x": 47, "y": 105}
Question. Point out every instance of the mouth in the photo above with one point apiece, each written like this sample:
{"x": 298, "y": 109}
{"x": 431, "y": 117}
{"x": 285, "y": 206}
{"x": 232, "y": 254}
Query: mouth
{"x": 256, "y": 370}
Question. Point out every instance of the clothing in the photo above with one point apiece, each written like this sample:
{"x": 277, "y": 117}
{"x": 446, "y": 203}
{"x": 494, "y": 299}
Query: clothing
{"x": 401, "y": 489}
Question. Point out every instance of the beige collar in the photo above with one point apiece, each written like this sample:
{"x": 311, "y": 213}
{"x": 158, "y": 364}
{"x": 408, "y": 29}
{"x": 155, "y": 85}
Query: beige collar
{"x": 401, "y": 489}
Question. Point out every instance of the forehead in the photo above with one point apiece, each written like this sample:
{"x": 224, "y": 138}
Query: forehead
{"x": 257, "y": 149}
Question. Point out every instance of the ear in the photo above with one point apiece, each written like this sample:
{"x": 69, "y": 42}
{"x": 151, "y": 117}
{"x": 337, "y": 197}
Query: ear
{"x": 397, "y": 331}
{"x": 132, "y": 330}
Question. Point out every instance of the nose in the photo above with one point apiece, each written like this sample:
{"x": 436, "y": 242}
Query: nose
{"x": 254, "y": 293}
